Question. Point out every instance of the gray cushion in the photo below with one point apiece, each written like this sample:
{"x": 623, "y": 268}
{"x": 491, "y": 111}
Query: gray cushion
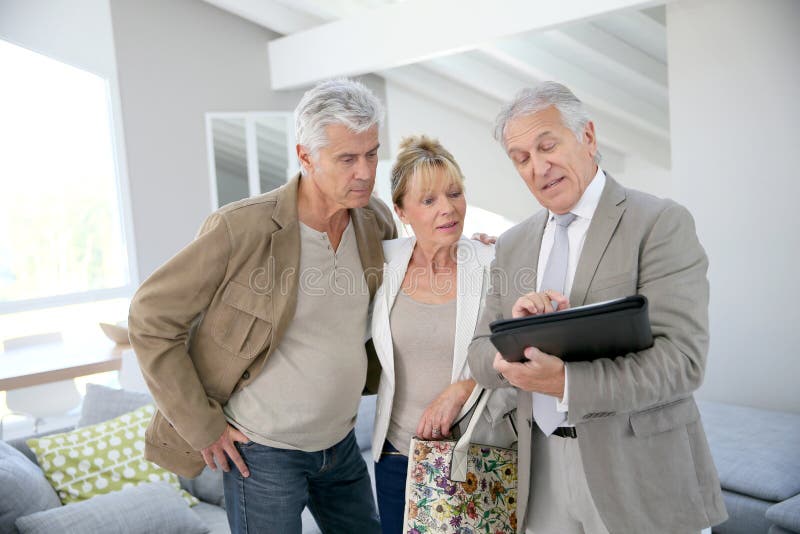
{"x": 23, "y": 488}
{"x": 786, "y": 514}
{"x": 365, "y": 422}
{"x": 102, "y": 403}
{"x": 755, "y": 450}
{"x": 151, "y": 507}
{"x": 207, "y": 486}
{"x": 775, "y": 529}
{"x": 745, "y": 515}
{"x": 213, "y": 517}
{"x": 21, "y": 444}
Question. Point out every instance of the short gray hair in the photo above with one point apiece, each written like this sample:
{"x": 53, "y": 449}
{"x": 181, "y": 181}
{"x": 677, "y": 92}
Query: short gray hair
{"x": 533, "y": 100}
{"x": 339, "y": 101}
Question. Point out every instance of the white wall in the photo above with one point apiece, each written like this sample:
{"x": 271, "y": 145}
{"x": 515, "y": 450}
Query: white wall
{"x": 177, "y": 60}
{"x": 638, "y": 173}
{"x": 79, "y": 37}
{"x": 734, "y": 70}
{"x": 491, "y": 181}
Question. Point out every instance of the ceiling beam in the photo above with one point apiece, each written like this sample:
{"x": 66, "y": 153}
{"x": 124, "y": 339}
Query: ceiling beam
{"x": 397, "y": 35}
{"x": 525, "y": 56}
{"x": 480, "y": 73}
{"x": 638, "y": 30}
{"x": 461, "y": 95}
{"x": 454, "y": 95}
{"x": 271, "y": 14}
{"x": 617, "y": 51}
{"x": 593, "y": 50}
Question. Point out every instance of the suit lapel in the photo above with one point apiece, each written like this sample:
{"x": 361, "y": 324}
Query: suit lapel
{"x": 604, "y": 223}
{"x": 529, "y": 258}
{"x": 369, "y": 250}
{"x": 285, "y": 257}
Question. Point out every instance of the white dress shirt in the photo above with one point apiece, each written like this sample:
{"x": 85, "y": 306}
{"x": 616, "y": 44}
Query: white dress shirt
{"x": 576, "y": 234}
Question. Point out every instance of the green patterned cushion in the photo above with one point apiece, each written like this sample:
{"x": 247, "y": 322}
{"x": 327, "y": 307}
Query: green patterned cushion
{"x": 101, "y": 458}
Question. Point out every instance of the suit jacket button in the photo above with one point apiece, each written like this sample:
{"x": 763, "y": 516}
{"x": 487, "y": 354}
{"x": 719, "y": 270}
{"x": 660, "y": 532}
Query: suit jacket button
{"x": 246, "y": 375}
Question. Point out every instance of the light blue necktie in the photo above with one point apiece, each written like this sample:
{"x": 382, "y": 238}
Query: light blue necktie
{"x": 554, "y": 278}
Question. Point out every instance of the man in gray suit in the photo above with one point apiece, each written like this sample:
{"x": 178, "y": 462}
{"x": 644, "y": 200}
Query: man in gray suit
{"x": 613, "y": 445}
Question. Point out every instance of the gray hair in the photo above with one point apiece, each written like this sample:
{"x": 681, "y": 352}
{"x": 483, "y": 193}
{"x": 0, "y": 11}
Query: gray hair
{"x": 533, "y": 100}
{"x": 339, "y": 101}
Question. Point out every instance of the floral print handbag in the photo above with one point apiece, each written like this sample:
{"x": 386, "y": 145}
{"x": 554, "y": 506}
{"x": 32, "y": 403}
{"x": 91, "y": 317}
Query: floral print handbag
{"x": 461, "y": 488}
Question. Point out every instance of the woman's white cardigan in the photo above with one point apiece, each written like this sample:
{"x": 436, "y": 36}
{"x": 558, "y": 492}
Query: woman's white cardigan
{"x": 474, "y": 261}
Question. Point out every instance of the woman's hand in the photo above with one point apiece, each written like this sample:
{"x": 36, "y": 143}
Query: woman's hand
{"x": 439, "y": 415}
{"x": 486, "y": 239}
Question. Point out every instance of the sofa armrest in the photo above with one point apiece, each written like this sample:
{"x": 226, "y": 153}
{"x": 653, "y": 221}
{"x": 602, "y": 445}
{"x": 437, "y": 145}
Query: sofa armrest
{"x": 786, "y": 514}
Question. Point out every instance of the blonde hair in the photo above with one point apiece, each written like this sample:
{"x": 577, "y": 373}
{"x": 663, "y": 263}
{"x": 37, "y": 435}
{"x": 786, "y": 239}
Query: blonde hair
{"x": 422, "y": 156}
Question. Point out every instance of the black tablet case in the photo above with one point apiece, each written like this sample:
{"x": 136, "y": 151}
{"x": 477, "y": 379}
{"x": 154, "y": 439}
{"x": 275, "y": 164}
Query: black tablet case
{"x": 602, "y": 330}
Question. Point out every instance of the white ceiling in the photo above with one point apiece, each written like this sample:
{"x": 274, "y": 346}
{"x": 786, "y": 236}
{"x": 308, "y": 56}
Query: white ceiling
{"x": 472, "y": 55}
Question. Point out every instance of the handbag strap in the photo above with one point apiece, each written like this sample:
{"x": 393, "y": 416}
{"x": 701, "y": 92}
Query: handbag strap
{"x": 458, "y": 463}
{"x": 469, "y": 404}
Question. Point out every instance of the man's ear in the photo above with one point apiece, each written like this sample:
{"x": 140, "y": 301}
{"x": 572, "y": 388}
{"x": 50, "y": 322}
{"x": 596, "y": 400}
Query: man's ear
{"x": 304, "y": 157}
{"x": 589, "y": 138}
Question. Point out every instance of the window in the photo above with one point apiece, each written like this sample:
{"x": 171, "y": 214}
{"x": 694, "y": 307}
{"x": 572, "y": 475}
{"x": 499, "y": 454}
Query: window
{"x": 249, "y": 154}
{"x": 61, "y": 230}
{"x": 479, "y": 220}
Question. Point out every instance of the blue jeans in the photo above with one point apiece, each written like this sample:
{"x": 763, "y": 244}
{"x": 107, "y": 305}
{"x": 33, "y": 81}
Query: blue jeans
{"x": 334, "y": 483}
{"x": 390, "y": 484}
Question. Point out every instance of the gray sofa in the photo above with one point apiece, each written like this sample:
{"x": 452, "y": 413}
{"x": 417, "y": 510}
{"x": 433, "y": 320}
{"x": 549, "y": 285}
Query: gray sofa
{"x": 29, "y": 502}
{"x": 757, "y": 455}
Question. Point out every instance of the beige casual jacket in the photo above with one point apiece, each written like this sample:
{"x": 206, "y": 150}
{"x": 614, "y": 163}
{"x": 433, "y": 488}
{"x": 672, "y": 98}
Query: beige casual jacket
{"x": 205, "y": 322}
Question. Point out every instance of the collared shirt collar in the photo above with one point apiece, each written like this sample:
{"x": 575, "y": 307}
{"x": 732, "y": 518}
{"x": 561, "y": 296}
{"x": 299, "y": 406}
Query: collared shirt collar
{"x": 587, "y": 204}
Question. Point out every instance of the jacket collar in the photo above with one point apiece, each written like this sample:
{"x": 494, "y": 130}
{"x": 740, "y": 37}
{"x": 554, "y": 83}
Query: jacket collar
{"x": 471, "y": 277}
{"x": 604, "y": 223}
{"x": 368, "y": 238}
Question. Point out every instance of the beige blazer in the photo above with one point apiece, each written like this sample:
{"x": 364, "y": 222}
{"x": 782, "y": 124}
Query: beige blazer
{"x": 643, "y": 447}
{"x": 204, "y": 323}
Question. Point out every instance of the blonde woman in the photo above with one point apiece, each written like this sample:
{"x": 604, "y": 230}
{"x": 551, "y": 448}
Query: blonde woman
{"x": 424, "y": 315}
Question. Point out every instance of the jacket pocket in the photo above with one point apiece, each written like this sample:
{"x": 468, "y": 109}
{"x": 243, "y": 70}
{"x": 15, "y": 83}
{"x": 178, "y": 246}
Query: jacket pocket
{"x": 243, "y": 321}
{"x": 162, "y": 434}
{"x": 612, "y": 287}
{"x": 665, "y": 417}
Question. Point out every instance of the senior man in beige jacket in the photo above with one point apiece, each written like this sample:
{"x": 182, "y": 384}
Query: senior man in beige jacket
{"x": 251, "y": 339}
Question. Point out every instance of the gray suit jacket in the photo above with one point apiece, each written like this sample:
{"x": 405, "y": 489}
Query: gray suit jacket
{"x": 643, "y": 447}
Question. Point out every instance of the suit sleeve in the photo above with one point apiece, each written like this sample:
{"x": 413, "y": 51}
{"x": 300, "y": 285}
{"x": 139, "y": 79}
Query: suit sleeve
{"x": 481, "y": 351}
{"x": 672, "y": 275}
{"x": 161, "y": 316}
